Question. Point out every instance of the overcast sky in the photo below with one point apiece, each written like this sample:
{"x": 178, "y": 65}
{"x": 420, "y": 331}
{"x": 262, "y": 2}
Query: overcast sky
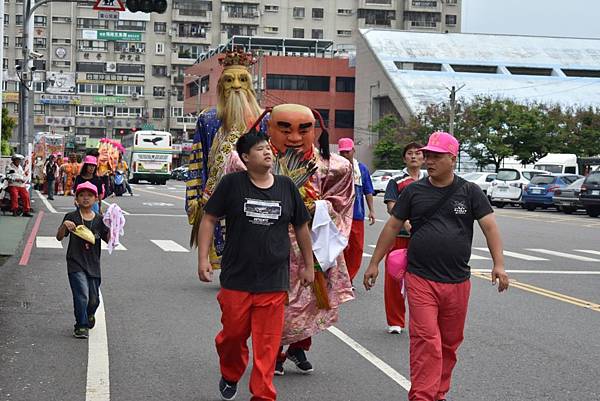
{"x": 569, "y": 18}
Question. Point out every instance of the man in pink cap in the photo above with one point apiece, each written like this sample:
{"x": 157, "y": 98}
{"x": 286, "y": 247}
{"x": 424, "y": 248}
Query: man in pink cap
{"x": 363, "y": 189}
{"x": 442, "y": 210}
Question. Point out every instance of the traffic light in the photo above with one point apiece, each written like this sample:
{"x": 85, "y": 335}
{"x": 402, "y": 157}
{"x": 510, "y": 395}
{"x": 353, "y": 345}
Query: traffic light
{"x": 147, "y": 6}
{"x": 125, "y": 131}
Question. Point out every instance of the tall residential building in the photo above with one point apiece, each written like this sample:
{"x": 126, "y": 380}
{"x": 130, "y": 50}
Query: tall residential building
{"x": 101, "y": 77}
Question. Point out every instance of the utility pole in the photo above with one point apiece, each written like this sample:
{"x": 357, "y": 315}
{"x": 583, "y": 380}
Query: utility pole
{"x": 2, "y": 75}
{"x": 453, "y": 92}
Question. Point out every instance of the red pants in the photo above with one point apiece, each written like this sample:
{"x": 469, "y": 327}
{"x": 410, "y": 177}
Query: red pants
{"x": 437, "y": 320}
{"x": 354, "y": 251}
{"x": 302, "y": 344}
{"x": 15, "y": 194}
{"x": 392, "y": 295}
{"x": 259, "y": 315}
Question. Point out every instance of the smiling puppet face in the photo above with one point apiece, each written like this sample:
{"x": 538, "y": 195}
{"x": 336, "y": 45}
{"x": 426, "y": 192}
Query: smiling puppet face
{"x": 292, "y": 126}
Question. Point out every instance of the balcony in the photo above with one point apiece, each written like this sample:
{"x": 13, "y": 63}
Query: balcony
{"x": 375, "y": 23}
{"x": 250, "y": 17}
{"x": 191, "y": 15}
{"x": 424, "y": 5}
{"x": 182, "y": 58}
{"x": 378, "y": 4}
{"x": 224, "y": 2}
{"x": 190, "y": 38}
{"x": 421, "y": 25}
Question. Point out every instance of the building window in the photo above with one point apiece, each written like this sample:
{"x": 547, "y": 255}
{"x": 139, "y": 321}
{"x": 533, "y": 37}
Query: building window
{"x": 62, "y": 20}
{"x": 18, "y": 41}
{"x": 89, "y": 23}
{"x": 160, "y": 27}
{"x": 176, "y": 111}
{"x": 160, "y": 48}
{"x": 271, "y": 9}
{"x": 325, "y": 114}
{"x": 452, "y": 2}
{"x": 90, "y": 110}
{"x": 39, "y": 86}
{"x": 92, "y": 45}
{"x": 344, "y": 119}
{"x": 90, "y": 67}
{"x": 39, "y": 43}
{"x": 159, "y": 70}
{"x": 18, "y": 19}
{"x": 158, "y": 91}
{"x": 128, "y": 90}
{"x": 298, "y": 12}
{"x": 380, "y": 2}
{"x": 4, "y": 67}
{"x": 344, "y": 84}
{"x": 158, "y": 114}
{"x": 6, "y": 41}
{"x": 317, "y": 34}
{"x": 39, "y": 108}
{"x": 39, "y": 20}
{"x": 129, "y": 111}
{"x": 317, "y": 13}
{"x": 297, "y": 33}
{"x": 6, "y": 19}
{"x": 190, "y": 51}
{"x": 344, "y": 32}
{"x": 271, "y": 29}
{"x": 131, "y": 68}
{"x": 424, "y": 3}
{"x": 130, "y": 47}
{"x": 90, "y": 89}
{"x": 377, "y": 17}
{"x": 298, "y": 82}
{"x": 131, "y": 25}
{"x": 344, "y": 11}
{"x": 450, "y": 19}
{"x": 61, "y": 41}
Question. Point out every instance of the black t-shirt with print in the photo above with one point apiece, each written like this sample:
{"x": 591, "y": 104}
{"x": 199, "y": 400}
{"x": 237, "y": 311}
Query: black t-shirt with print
{"x": 81, "y": 255}
{"x": 257, "y": 246}
{"x": 97, "y": 181}
{"x": 440, "y": 250}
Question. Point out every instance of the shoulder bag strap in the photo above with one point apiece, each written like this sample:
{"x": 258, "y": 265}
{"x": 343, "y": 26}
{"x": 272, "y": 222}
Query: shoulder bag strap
{"x": 435, "y": 208}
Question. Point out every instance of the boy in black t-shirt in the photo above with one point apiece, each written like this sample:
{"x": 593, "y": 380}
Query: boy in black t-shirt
{"x": 83, "y": 256}
{"x": 258, "y": 208}
{"x": 437, "y": 282}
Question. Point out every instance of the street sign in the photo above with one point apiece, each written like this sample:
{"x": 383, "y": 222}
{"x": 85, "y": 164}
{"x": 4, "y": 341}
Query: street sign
{"x": 109, "y": 5}
{"x": 109, "y": 15}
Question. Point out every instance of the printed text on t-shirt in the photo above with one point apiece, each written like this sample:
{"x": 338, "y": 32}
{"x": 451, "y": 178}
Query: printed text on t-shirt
{"x": 263, "y": 212}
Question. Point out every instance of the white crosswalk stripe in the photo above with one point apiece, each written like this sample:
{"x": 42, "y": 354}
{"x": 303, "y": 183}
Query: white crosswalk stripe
{"x": 169, "y": 246}
{"x": 588, "y": 251}
{"x": 564, "y": 255}
{"x": 366, "y": 255}
{"x": 47, "y": 242}
{"x": 516, "y": 255}
{"x": 104, "y": 247}
{"x": 477, "y": 257}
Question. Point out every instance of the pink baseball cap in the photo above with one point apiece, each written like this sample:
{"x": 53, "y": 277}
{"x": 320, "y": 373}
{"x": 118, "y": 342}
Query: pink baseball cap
{"x": 345, "y": 144}
{"x": 86, "y": 186}
{"x": 90, "y": 160}
{"x": 442, "y": 142}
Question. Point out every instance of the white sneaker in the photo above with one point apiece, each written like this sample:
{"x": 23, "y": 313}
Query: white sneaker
{"x": 394, "y": 329}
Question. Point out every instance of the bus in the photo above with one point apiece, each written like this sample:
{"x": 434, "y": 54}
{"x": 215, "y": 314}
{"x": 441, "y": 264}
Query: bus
{"x": 149, "y": 155}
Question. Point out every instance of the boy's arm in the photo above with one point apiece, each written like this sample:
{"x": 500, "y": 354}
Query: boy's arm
{"x": 205, "y": 235}
{"x": 64, "y": 228}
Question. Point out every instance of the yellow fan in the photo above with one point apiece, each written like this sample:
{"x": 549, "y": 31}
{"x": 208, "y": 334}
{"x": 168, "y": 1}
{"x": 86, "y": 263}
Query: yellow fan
{"x": 85, "y": 234}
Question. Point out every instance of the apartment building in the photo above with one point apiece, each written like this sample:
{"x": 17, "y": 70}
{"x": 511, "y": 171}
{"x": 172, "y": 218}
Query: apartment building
{"x": 102, "y": 77}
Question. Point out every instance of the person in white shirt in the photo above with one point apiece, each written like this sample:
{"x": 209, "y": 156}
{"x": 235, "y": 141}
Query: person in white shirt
{"x": 16, "y": 186}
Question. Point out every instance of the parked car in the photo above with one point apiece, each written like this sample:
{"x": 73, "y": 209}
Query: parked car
{"x": 482, "y": 179}
{"x": 567, "y": 198}
{"x": 179, "y": 173}
{"x": 380, "y": 179}
{"x": 540, "y": 190}
{"x": 507, "y": 188}
{"x": 590, "y": 194}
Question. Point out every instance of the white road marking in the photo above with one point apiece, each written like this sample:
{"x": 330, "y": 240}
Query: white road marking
{"x": 380, "y": 221}
{"x": 515, "y": 255}
{"x": 564, "y": 255}
{"x": 588, "y": 251}
{"x": 108, "y": 204}
{"x": 477, "y": 257}
{"x": 169, "y": 246}
{"x": 372, "y": 246}
{"x": 47, "y": 242}
{"x": 369, "y": 356}
{"x": 46, "y": 203}
{"x": 366, "y": 255}
{"x": 157, "y": 204}
{"x": 98, "y": 383}
{"x": 568, "y": 272}
{"x": 171, "y": 188}
{"x": 104, "y": 247}
{"x": 149, "y": 187}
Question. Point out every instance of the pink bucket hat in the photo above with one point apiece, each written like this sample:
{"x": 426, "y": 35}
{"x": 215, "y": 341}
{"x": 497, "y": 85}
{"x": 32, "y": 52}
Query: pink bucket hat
{"x": 86, "y": 186}
{"x": 90, "y": 160}
{"x": 442, "y": 142}
{"x": 345, "y": 144}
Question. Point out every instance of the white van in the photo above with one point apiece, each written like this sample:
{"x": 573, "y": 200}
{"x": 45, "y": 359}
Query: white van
{"x": 507, "y": 188}
{"x": 559, "y": 163}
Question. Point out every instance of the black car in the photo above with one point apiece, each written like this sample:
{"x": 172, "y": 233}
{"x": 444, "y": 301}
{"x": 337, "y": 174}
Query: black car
{"x": 567, "y": 198}
{"x": 590, "y": 194}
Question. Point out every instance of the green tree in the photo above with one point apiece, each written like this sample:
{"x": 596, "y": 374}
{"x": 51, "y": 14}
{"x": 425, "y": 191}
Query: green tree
{"x": 388, "y": 151}
{"x": 8, "y": 124}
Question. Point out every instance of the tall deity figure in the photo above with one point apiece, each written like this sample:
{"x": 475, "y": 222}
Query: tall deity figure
{"x": 217, "y": 131}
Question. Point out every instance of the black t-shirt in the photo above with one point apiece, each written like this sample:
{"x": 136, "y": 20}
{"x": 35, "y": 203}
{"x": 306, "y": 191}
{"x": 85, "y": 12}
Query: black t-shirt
{"x": 440, "y": 250}
{"x": 257, "y": 247}
{"x": 81, "y": 255}
{"x": 97, "y": 181}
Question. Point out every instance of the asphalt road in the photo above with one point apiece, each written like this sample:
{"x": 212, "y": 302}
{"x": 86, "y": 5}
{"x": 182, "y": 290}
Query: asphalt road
{"x": 539, "y": 341}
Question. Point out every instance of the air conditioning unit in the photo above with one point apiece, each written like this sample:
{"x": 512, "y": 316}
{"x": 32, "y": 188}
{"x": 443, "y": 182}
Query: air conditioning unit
{"x": 109, "y": 113}
{"x": 134, "y": 95}
{"x": 111, "y": 67}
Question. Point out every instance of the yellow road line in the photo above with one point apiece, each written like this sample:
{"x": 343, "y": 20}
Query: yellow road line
{"x": 158, "y": 193}
{"x": 546, "y": 293}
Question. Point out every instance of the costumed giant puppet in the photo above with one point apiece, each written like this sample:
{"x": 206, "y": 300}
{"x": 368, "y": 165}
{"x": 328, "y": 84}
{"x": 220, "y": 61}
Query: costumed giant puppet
{"x": 217, "y": 131}
{"x": 328, "y": 193}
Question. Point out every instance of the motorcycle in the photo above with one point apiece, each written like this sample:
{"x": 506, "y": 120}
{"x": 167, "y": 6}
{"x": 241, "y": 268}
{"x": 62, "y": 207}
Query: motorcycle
{"x": 119, "y": 183}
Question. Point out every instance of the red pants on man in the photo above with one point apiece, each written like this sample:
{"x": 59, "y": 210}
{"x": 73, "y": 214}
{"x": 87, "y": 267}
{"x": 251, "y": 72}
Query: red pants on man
{"x": 353, "y": 252}
{"x": 15, "y": 194}
{"x": 259, "y": 315}
{"x": 392, "y": 294}
{"x": 437, "y": 320}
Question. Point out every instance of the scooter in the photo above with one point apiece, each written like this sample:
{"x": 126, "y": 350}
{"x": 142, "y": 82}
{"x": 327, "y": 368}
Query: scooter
{"x": 119, "y": 183}
{"x": 5, "y": 205}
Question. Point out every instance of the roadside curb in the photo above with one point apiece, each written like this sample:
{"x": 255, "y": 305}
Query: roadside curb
{"x": 4, "y": 258}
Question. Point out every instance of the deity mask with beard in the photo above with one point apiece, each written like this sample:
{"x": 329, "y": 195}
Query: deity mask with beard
{"x": 237, "y": 107}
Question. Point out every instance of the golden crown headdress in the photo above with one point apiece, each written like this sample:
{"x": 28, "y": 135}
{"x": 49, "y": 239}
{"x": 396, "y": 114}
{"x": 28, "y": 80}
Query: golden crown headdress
{"x": 237, "y": 58}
